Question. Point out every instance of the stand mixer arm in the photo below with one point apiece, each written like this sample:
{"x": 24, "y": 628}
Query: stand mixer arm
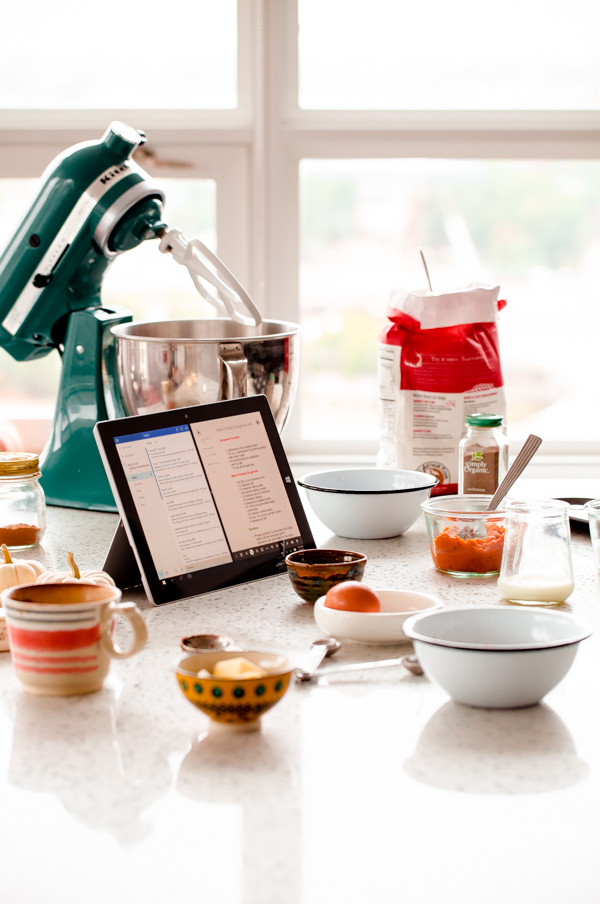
{"x": 194, "y": 254}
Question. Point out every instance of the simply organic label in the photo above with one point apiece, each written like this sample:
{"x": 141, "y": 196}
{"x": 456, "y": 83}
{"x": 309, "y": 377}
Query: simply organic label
{"x": 480, "y": 471}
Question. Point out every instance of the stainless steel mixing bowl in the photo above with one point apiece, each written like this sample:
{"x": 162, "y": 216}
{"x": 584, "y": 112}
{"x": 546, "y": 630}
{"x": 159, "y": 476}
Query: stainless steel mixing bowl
{"x": 176, "y": 363}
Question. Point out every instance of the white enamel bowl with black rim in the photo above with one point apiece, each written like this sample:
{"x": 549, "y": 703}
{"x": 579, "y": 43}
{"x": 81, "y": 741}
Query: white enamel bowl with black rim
{"x": 367, "y": 503}
{"x": 496, "y": 657}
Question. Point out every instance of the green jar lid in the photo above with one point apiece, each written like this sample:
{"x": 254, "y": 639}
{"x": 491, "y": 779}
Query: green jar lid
{"x": 483, "y": 420}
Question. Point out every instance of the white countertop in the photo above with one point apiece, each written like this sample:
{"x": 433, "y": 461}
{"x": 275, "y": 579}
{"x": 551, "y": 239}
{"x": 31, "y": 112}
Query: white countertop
{"x": 363, "y": 788}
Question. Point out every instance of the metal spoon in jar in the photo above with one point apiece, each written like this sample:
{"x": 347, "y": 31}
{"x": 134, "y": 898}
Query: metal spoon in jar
{"x": 530, "y": 447}
{"x": 320, "y": 648}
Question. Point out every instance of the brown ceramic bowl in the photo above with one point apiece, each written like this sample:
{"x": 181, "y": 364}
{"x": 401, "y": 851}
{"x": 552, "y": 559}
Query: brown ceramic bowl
{"x": 314, "y": 571}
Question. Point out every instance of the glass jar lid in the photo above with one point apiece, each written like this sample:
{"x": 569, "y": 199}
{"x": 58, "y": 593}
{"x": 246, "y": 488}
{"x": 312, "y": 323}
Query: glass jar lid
{"x": 19, "y": 464}
{"x": 483, "y": 420}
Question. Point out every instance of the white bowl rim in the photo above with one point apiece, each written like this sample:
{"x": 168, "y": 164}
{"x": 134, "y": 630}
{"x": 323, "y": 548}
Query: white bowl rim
{"x": 411, "y": 630}
{"x": 302, "y": 481}
{"x": 344, "y": 613}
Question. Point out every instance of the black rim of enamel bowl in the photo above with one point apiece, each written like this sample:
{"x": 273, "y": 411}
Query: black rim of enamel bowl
{"x": 303, "y": 482}
{"x": 411, "y": 630}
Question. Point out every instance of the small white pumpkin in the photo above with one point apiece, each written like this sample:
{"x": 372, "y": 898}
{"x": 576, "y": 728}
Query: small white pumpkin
{"x": 19, "y": 571}
{"x": 75, "y": 575}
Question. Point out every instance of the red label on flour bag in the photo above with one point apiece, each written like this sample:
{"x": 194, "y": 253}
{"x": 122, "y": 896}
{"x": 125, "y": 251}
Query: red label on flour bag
{"x": 438, "y": 362}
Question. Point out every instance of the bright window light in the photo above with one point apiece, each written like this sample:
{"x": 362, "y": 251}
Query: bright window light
{"x": 81, "y": 56}
{"x": 529, "y": 226}
{"x": 436, "y": 55}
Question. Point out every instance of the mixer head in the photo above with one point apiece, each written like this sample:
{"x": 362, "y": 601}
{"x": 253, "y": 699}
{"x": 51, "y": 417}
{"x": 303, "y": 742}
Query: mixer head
{"x": 94, "y": 202}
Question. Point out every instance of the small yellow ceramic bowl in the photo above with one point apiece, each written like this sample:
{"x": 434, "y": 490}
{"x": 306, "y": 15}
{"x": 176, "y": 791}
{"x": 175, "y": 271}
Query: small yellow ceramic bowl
{"x": 234, "y": 702}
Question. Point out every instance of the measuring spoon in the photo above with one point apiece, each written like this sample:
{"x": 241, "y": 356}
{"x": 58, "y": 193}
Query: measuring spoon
{"x": 320, "y": 648}
{"x": 409, "y": 662}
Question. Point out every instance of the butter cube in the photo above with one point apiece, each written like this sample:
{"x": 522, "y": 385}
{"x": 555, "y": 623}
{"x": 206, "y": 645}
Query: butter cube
{"x": 237, "y": 668}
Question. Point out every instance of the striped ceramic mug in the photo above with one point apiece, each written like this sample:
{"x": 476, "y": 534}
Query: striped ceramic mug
{"x": 61, "y": 635}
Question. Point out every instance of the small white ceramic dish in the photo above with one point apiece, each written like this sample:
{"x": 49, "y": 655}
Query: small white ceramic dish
{"x": 367, "y": 503}
{"x": 496, "y": 657}
{"x": 375, "y": 627}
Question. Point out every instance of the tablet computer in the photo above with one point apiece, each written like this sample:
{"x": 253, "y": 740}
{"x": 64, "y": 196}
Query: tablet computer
{"x": 206, "y": 496}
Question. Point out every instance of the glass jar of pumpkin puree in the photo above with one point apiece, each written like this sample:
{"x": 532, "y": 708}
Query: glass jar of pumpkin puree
{"x": 22, "y": 500}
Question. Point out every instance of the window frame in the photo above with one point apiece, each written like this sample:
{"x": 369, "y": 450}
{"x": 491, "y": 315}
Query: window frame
{"x": 254, "y": 153}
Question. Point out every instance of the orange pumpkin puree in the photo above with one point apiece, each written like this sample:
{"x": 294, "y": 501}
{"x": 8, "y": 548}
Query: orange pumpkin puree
{"x": 479, "y": 555}
{"x": 19, "y": 535}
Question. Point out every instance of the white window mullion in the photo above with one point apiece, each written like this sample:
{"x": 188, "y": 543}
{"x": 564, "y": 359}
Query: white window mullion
{"x": 275, "y": 196}
{"x": 259, "y": 160}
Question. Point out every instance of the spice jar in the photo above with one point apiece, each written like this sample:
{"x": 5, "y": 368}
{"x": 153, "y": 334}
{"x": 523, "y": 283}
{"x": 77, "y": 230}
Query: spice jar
{"x": 22, "y": 500}
{"x": 482, "y": 455}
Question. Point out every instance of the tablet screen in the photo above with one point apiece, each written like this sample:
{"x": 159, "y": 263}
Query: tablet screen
{"x": 209, "y": 495}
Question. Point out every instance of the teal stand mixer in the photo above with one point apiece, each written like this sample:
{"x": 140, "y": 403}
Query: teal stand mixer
{"x": 93, "y": 204}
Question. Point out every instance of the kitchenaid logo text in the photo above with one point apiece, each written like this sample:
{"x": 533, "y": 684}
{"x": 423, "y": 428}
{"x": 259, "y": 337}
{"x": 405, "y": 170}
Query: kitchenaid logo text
{"x": 111, "y": 174}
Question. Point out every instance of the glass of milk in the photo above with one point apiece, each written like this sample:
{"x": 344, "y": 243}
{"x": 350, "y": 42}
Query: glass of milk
{"x": 536, "y": 569}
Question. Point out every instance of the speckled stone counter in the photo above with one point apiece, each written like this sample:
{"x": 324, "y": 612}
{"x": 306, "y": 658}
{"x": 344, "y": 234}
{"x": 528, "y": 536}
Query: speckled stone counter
{"x": 364, "y": 787}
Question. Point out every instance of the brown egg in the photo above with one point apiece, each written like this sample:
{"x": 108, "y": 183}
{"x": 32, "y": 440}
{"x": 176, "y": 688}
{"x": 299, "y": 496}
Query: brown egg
{"x": 353, "y": 596}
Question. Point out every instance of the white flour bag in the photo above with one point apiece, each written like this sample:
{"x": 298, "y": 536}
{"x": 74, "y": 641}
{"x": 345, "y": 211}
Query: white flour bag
{"x": 438, "y": 361}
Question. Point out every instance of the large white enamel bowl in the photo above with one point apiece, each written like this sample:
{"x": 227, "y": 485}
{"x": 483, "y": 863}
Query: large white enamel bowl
{"x": 367, "y": 503}
{"x": 386, "y": 626}
{"x": 496, "y": 657}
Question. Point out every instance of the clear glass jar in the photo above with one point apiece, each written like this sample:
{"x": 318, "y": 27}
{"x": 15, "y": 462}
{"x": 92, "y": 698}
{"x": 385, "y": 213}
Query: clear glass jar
{"x": 482, "y": 455}
{"x": 464, "y": 538}
{"x": 22, "y": 500}
{"x": 537, "y": 568}
{"x": 593, "y": 512}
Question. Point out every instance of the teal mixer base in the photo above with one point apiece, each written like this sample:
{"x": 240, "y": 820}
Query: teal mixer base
{"x": 72, "y": 471}
{"x": 80, "y": 487}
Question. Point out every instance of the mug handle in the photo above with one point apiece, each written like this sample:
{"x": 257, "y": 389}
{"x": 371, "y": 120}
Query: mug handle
{"x": 140, "y": 632}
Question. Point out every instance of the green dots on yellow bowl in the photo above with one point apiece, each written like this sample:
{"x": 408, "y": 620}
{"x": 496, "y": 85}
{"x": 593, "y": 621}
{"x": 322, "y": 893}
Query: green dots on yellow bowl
{"x": 234, "y": 702}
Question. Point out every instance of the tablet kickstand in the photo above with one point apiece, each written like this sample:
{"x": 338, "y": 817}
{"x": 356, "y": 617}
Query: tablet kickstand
{"x": 121, "y": 563}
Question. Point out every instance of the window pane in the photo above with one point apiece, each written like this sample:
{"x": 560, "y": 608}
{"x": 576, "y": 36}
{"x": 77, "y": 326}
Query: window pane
{"x": 151, "y": 284}
{"x": 435, "y": 55}
{"x": 531, "y": 226}
{"x": 72, "y": 55}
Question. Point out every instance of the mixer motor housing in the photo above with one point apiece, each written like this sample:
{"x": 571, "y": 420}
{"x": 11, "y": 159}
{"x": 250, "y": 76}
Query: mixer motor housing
{"x": 94, "y": 203}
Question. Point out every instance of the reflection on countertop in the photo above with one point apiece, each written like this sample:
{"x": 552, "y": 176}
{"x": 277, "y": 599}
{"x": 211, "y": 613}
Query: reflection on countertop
{"x": 361, "y": 787}
{"x": 482, "y": 751}
{"x": 99, "y": 765}
{"x": 255, "y": 775}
